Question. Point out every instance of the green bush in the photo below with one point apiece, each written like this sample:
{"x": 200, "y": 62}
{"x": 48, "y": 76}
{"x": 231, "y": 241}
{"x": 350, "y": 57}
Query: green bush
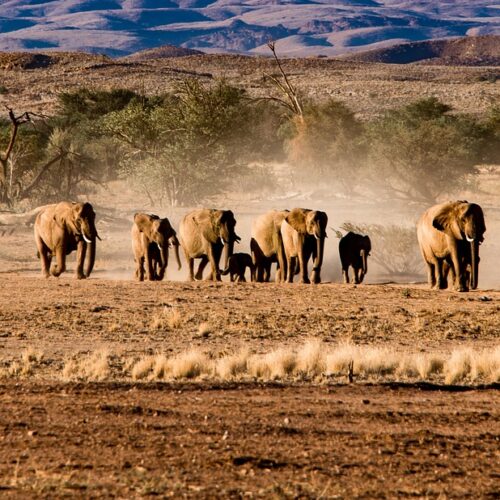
{"x": 422, "y": 152}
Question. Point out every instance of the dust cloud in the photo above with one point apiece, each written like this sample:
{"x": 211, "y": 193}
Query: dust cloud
{"x": 115, "y": 260}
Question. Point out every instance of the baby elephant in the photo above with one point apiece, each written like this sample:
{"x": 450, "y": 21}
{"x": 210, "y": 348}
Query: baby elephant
{"x": 354, "y": 250}
{"x": 237, "y": 265}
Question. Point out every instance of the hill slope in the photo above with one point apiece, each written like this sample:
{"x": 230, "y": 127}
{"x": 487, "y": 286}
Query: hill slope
{"x": 303, "y": 27}
{"x": 467, "y": 51}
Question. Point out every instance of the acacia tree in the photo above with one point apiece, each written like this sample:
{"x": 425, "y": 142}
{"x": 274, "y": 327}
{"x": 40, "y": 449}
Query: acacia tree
{"x": 421, "y": 151}
{"x": 187, "y": 146}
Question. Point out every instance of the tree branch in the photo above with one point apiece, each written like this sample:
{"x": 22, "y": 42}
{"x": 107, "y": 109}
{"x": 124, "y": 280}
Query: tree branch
{"x": 27, "y": 191}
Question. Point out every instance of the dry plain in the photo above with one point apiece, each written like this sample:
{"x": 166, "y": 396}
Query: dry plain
{"x": 115, "y": 388}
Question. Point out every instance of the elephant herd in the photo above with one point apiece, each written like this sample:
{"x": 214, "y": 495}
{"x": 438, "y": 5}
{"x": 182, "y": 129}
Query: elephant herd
{"x": 449, "y": 236}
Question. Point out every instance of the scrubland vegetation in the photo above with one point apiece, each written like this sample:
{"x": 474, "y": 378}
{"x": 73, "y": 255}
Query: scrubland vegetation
{"x": 201, "y": 140}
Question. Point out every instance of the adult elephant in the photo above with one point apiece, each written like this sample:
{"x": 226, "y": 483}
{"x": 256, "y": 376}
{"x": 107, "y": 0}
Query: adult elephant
{"x": 449, "y": 235}
{"x": 204, "y": 234}
{"x": 62, "y": 228}
{"x": 266, "y": 245}
{"x": 151, "y": 239}
{"x": 304, "y": 232}
{"x": 354, "y": 250}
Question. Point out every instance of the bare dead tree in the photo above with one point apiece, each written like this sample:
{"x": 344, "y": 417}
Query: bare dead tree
{"x": 291, "y": 99}
{"x": 11, "y": 189}
{"x": 16, "y": 122}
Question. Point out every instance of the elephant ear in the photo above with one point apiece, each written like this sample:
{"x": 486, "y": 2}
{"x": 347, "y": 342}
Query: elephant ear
{"x": 212, "y": 231}
{"x": 297, "y": 219}
{"x": 368, "y": 243}
{"x": 64, "y": 215}
{"x": 143, "y": 222}
{"x": 446, "y": 221}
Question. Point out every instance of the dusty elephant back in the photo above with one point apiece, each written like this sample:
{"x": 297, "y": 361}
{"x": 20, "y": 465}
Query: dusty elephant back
{"x": 290, "y": 239}
{"x": 190, "y": 236}
{"x": 44, "y": 223}
{"x": 266, "y": 231}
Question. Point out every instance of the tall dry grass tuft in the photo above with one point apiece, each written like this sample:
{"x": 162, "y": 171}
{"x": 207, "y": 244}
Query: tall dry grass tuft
{"x": 311, "y": 358}
{"x": 142, "y": 368}
{"x": 229, "y": 367}
{"x": 458, "y": 366}
{"x": 30, "y": 359}
{"x": 274, "y": 365}
{"x": 94, "y": 366}
{"x": 191, "y": 364}
{"x": 337, "y": 361}
{"x": 166, "y": 319}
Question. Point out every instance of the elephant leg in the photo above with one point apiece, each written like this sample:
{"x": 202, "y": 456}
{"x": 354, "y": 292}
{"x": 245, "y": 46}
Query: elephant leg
{"x": 458, "y": 269}
{"x": 291, "y": 269}
{"x": 45, "y": 257}
{"x": 139, "y": 268}
{"x": 303, "y": 259}
{"x": 190, "y": 263}
{"x": 81, "y": 251}
{"x": 441, "y": 283}
{"x": 345, "y": 274}
{"x": 431, "y": 274}
{"x": 267, "y": 271}
{"x": 148, "y": 260}
{"x": 201, "y": 268}
{"x": 356, "y": 275}
{"x": 60, "y": 265}
{"x": 213, "y": 257}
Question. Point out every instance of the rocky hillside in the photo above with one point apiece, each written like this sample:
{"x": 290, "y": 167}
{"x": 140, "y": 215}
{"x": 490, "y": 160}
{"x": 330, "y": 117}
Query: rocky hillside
{"x": 301, "y": 27}
{"x": 467, "y": 51}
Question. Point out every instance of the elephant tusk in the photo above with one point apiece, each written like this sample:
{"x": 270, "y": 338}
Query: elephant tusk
{"x": 469, "y": 239}
{"x": 159, "y": 247}
{"x": 86, "y": 239}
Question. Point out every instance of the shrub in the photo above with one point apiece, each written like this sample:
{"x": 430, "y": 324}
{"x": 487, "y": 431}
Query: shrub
{"x": 394, "y": 248}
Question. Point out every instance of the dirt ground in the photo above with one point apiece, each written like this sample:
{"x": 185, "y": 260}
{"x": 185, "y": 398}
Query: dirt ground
{"x": 248, "y": 441}
{"x": 64, "y": 316}
{"x": 203, "y": 439}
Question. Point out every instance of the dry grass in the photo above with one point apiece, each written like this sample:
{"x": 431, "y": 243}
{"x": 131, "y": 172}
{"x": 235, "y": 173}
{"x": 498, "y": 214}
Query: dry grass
{"x": 93, "y": 366}
{"x": 25, "y": 366}
{"x": 166, "y": 319}
{"x": 313, "y": 361}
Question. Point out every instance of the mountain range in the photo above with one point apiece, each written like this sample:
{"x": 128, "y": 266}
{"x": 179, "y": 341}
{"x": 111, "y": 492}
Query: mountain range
{"x": 300, "y": 27}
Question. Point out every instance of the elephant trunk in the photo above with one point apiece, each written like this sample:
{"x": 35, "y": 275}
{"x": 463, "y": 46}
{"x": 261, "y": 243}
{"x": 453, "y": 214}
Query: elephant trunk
{"x": 163, "y": 259}
{"x": 365, "y": 261}
{"x": 91, "y": 247}
{"x": 228, "y": 251}
{"x": 320, "y": 245}
{"x": 175, "y": 243}
{"x": 474, "y": 264}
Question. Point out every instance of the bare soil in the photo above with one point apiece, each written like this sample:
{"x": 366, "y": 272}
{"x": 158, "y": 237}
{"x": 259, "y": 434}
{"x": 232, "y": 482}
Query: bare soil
{"x": 65, "y": 316}
{"x": 206, "y": 439}
{"x": 253, "y": 441}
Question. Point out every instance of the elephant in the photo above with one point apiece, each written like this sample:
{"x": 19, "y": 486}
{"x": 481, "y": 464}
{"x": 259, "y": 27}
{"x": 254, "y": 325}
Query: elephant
{"x": 238, "y": 263}
{"x": 449, "y": 235}
{"x": 62, "y": 228}
{"x": 266, "y": 245}
{"x": 203, "y": 234}
{"x": 151, "y": 239}
{"x": 354, "y": 250}
{"x": 304, "y": 232}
